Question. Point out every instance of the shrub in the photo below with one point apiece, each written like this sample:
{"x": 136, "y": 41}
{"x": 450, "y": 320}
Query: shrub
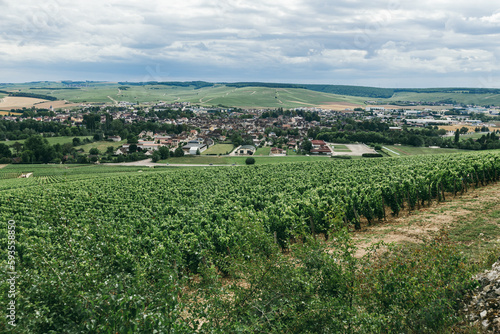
{"x": 372, "y": 155}
{"x": 418, "y": 289}
{"x": 250, "y": 161}
{"x": 94, "y": 151}
{"x": 341, "y": 157}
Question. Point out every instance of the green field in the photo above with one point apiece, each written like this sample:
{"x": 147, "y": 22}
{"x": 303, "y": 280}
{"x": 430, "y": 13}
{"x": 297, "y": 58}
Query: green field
{"x": 340, "y": 148}
{"x": 475, "y": 99}
{"x": 229, "y": 160}
{"x": 257, "y": 97}
{"x": 411, "y": 150}
{"x": 56, "y": 173}
{"x": 208, "y": 96}
{"x": 102, "y": 145}
{"x": 219, "y": 149}
{"x": 473, "y": 135}
{"x": 263, "y": 150}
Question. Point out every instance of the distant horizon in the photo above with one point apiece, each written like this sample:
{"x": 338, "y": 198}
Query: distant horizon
{"x": 385, "y": 44}
{"x": 242, "y": 81}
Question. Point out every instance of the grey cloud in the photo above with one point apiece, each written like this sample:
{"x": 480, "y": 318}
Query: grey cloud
{"x": 295, "y": 40}
{"x": 475, "y": 25}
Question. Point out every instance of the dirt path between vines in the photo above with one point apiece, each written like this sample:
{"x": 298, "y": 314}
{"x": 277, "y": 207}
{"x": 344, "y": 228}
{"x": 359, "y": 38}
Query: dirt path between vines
{"x": 473, "y": 218}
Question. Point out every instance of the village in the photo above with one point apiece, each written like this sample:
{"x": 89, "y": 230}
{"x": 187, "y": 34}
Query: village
{"x": 283, "y": 131}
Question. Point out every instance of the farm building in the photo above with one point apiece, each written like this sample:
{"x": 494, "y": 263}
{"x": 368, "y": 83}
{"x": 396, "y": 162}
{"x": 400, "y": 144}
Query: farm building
{"x": 277, "y": 151}
{"x": 193, "y": 148}
{"x": 246, "y": 150}
{"x": 318, "y": 143}
{"x": 322, "y": 150}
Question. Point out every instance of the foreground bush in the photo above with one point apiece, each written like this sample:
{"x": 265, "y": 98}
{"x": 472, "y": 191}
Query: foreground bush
{"x": 320, "y": 288}
{"x": 250, "y": 161}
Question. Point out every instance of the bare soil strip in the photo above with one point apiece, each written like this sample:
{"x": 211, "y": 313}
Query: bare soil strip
{"x": 473, "y": 217}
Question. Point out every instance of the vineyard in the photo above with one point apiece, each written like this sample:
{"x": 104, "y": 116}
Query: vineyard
{"x": 115, "y": 253}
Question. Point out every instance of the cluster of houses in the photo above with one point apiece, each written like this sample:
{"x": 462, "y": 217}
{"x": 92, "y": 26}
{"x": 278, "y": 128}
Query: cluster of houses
{"x": 251, "y": 126}
{"x": 150, "y": 142}
{"x": 426, "y": 116}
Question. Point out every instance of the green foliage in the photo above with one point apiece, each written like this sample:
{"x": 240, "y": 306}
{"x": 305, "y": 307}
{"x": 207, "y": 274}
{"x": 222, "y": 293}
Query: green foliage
{"x": 417, "y": 289}
{"x": 33, "y": 95}
{"x": 372, "y": 155}
{"x": 179, "y": 152}
{"x": 324, "y": 288}
{"x": 156, "y": 156}
{"x": 250, "y": 161}
{"x": 164, "y": 152}
{"x": 110, "y": 149}
{"x": 307, "y": 145}
{"x": 37, "y": 149}
{"x": 132, "y": 139}
{"x": 5, "y": 151}
{"x": 119, "y": 253}
{"x": 94, "y": 151}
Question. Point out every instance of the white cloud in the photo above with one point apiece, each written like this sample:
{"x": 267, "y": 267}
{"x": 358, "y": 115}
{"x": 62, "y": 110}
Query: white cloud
{"x": 310, "y": 40}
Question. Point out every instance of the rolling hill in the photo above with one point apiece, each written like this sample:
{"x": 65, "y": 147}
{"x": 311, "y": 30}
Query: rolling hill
{"x": 247, "y": 94}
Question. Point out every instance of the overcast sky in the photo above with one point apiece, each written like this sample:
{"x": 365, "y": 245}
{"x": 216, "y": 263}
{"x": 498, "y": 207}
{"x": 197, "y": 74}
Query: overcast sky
{"x": 390, "y": 43}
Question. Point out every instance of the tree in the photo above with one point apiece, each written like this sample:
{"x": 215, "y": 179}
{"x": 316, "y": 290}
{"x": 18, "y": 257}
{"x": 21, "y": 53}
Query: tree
{"x": 464, "y": 130}
{"x": 76, "y": 141}
{"x": 132, "y": 148}
{"x": 415, "y": 140}
{"x": 457, "y": 136}
{"x": 250, "y": 161}
{"x": 5, "y": 151}
{"x": 164, "y": 152}
{"x": 98, "y": 136}
{"x": 91, "y": 121}
{"x": 132, "y": 139}
{"x": 17, "y": 146}
{"x": 67, "y": 148}
{"x": 82, "y": 159}
{"x": 42, "y": 150}
{"x": 110, "y": 150}
{"x": 27, "y": 157}
{"x": 307, "y": 145}
{"x": 236, "y": 139}
{"x": 198, "y": 152}
{"x": 94, "y": 151}
{"x": 156, "y": 156}
{"x": 179, "y": 152}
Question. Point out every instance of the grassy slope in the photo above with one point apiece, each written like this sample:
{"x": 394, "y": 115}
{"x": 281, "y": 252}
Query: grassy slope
{"x": 101, "y": 145}
{"x": 263, "y": 151}
{"x": 257, "y": 97}
{"x": 478, "y": 99}
{"x": 219, "y": 149}
{"x": 410, "y": 150}
{"x": 226, "y": 160}
{"x": 219, "y": 94}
